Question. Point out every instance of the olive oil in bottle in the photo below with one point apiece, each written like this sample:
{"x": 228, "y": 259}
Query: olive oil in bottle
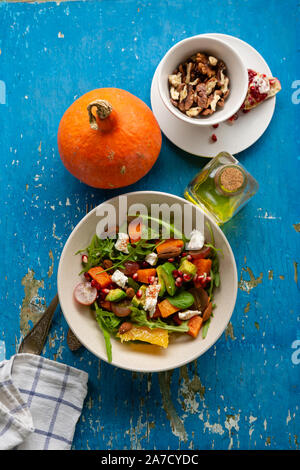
{"x": 222, "y": 188}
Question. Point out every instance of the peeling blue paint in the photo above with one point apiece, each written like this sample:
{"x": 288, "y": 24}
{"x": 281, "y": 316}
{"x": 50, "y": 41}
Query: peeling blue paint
{"x": 2, "y": 351}
{"x": 244, "y": 392}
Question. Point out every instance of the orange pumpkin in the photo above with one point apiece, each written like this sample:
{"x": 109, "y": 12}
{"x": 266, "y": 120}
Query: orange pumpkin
{"x": 109, "y": 138}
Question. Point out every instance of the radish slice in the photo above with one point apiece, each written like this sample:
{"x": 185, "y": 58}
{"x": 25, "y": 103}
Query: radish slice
{"x": 85, "y": 294}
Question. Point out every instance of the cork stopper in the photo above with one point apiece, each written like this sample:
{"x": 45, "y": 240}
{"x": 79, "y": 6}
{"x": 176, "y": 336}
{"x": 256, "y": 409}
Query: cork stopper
{"x": 230, "y": 180}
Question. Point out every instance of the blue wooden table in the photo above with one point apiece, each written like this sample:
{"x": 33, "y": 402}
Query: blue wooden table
{"x": 244, "y": 392}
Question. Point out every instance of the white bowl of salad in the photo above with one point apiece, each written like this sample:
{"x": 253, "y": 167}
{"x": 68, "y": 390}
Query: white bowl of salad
{"x": 144, "y": 303}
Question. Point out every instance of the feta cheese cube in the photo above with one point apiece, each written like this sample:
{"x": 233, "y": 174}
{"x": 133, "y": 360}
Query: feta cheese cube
{"x": 188, "y": 314}
{"x": 196, "y": 240}
{"x": 119, "y": 278}
{"x": 151, "y": 259}
{"x": 122, "y": 242}
{"x": 152, "y": 292}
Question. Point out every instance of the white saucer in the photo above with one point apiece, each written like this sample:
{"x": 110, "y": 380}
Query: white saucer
{"x": 232, "y": 137}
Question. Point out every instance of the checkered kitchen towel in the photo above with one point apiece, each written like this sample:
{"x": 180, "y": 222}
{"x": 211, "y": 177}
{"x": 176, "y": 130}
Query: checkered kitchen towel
{"x": 40, "y": 403}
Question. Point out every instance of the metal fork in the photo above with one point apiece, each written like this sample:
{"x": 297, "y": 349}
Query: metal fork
{"x": 34, "y": 341}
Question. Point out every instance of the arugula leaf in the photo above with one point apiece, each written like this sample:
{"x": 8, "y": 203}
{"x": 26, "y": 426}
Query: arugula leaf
{"x": 205, "y": 328}
{"x": 136, "y": 253}
{"x": 108, "y": 323}
{"x": 100, "y": 249}
{"x": 217, "y": 279}
{"x": 107, "y": 341}
{"x": 108, "y": 319}
{"x": 211, "y": 233}
{"x": 140, "y": 318}
{"x": 97, "y": 250}
{"x": 214, "y": 249}
{"x": 170, "y": 227}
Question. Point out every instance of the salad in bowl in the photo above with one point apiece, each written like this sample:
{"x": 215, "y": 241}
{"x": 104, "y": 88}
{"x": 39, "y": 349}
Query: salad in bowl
{"x": 147, "y": 289}
{"x": 133, "y": 324}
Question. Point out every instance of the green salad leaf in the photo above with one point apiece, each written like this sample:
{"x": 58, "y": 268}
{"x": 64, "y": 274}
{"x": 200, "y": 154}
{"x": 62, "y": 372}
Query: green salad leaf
{"x": 211, "y": 233}
{"x": 205, "y": 328}
{"x": 140, "y": 318}
{"x": 109, "y": 319}
{"x": 97, "y": 250}
{"x": 172, "y": 230}
{"x": 106, "y": 339}
{"x": 109, "y": 324}
{"x": 136, "y": 252}
{"x": 182, "y": 300}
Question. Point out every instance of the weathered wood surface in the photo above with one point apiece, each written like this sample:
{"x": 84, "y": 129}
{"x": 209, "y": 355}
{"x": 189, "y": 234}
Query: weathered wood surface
{"x": 244, "y": 392}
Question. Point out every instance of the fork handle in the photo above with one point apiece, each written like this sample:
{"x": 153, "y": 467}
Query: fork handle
{"x": 34, "y": 341}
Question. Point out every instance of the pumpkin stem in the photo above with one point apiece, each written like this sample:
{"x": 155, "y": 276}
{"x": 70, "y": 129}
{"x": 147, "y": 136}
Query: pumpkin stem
{"x": 103, "y": 109}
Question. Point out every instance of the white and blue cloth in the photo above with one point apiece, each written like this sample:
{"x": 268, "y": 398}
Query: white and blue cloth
{"x": 40, "y": 403}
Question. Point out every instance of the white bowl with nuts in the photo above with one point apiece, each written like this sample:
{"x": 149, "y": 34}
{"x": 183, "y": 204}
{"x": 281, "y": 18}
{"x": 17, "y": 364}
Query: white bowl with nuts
{"x": 202, "y": 80}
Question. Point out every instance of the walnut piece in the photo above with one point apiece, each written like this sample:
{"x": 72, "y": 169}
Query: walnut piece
{"x": 174, "y": 94}
{"x": 189, "y": 99}
{"x": 211, "y": 85}
{"x": 198, "y": 85}
{"x": 193, "y": 112}
{"x": 212, "y": 60}
{"x": 224, "y": 87}
{"x": 183, "y": 94}
{"x": 213, "y": 104}
{"x": 188, "y": 72}
{"x": 175, "y": 80}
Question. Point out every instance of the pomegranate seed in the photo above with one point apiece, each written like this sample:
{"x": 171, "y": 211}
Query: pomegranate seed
{"x": 139, "y": 293}
{"x": 251, "y": 74}
{"x": 178, "y": 282}
{"x": 175, "y": 273}
{"x": 105, "y": 291}
{"x": 102, "y": 296}
{"x": 203, "y": 279}
{"x": 189, "y": 257}
{"x": 145, "y": 264}
{"x": 186, "y": 277}
{"x": 214, "y": 138}
{"x": 184, "y": 254}
{"x": 95, "y": 284}
{"x": 233, "y": 118}
{"x": 215, "y": 126}
{"x": 171, "y": 260}
{"x": 84, "y": 259}
{"x": 87, "y": 276}
{"x": 245, "y": 111}
{"x": 151, "y": 279}
{"x": 180, "y": 273}
{"x": 135, "y": 276}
